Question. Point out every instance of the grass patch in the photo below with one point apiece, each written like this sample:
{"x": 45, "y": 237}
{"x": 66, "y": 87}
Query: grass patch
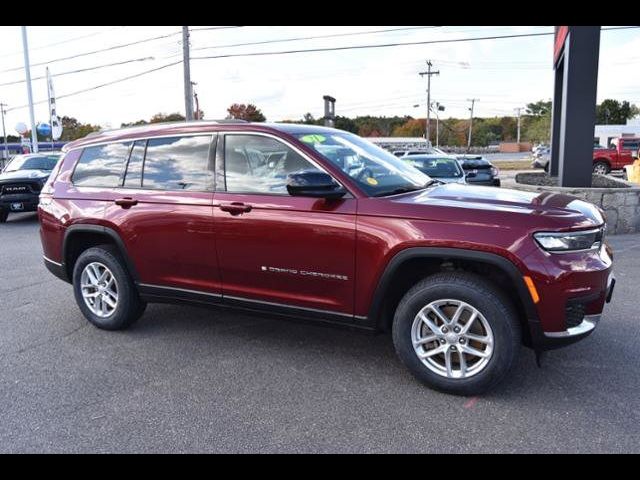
{"x": 512, "y": 165}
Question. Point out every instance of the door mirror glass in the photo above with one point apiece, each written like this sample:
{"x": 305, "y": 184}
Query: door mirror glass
{"x": 313, "y": 183}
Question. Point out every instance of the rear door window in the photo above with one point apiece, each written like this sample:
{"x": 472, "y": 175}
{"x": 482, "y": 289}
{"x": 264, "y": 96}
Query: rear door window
{"x": 101, "y": 166}
{"x": 178, "y": 163}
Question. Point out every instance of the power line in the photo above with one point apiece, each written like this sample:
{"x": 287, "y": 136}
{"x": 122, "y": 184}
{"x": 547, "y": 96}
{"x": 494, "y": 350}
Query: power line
{"x": 385, "y": 45}
{"x": 63, "y": 41}
{"x": 130, "y": 77}
{"x": 80, "y": 70}
{"x": 114, "y": 47}
{"x": 201, "y": 29}
{"x": 316, "y": 37}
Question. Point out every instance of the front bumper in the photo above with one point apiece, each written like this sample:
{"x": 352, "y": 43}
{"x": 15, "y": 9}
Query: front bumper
{"x": 29, "y": 202}
{"x": 493, "y": 182}
{"x": 543, "y": 340}
{"x": 58, "y": 269}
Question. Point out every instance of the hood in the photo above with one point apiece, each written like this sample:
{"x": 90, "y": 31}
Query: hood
{"x": 26, "y": 175}
{"x": 499, "y": 207}
{"x": 450, "y": 179}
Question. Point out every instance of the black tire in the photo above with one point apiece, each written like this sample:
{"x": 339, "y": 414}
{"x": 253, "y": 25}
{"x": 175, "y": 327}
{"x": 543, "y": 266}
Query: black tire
{"x": 546, "y": 167}
{"x": 129, "y": 306}
{"x": 601, "y": 165}
{"x": 3, "y": 216}
{"x": 483, "y": 296}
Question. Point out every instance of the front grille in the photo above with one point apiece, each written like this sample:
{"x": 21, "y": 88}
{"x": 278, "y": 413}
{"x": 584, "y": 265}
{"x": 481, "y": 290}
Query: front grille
{"x": 19, "y": 188}
{"x": 574, "y": 314}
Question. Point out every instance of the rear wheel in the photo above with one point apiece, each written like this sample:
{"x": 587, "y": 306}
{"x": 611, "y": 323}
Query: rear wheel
{"x": 457, "y": 333}
{"x": 3, "y": 216}
{"x": 601, "y": 168}
{"x": 104, "y": 289}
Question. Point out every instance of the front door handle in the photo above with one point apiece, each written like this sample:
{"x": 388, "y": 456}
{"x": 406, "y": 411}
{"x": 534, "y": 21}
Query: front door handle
{"x": 126, "y": 202}
{"x": 235, "y": 208}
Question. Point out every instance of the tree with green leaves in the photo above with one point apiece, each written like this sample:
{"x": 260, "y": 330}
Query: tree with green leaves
{"x": 613, "y": 112}
{"x": 72, "y": 129}
{"x": 539, "y": 108}
{"x": 157, "y": 118}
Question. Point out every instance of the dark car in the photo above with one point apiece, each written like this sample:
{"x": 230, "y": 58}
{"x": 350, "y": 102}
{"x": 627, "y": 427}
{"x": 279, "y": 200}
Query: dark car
{"x": 21, "y": 181}
{"x": 445, "y": 168}
{"x": 308, "y": 222}
{"x": 479, "y": 170}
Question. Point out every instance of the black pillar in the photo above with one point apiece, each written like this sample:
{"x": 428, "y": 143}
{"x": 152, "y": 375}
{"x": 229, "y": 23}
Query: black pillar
{"x": 578, "y": 115}
{"x": 556, "y": 115}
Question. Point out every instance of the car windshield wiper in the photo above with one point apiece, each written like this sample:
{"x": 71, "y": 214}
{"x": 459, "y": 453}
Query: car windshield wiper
{"x": 400, "y": 190}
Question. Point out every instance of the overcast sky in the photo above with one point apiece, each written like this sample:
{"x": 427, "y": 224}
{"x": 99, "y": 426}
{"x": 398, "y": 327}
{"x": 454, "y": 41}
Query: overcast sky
{"x": 503, "y": 74}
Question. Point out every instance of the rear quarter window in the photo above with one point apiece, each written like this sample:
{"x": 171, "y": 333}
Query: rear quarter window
{"x": 101, "y": 166}
{"x": 178, "y": 163}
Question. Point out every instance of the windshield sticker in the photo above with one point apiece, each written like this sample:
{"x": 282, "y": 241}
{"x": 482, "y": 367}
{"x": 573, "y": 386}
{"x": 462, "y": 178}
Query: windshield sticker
{"x": 314, "y": 139}
{"x": 372, "y": 181}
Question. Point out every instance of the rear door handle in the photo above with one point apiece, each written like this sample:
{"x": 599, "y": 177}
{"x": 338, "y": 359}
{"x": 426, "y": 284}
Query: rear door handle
{"x": 126, "y": 202}
{"x": 235, "y": 208}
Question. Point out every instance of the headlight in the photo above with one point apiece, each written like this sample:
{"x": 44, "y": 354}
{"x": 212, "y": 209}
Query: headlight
{"x": 570, "y": 241}
{"x": 495, "y": 172}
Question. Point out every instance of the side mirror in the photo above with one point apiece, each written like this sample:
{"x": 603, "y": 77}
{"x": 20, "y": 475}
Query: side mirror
{"x": 312, "y": 183}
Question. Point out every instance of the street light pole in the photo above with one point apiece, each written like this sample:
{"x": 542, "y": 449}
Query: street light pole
{"x": 473, "y": 102}
{"x": 437, "y": 124}
{"x": 518, "y": 114}
{"x": 5, "y": 153}
{"x": 27, "y": 71}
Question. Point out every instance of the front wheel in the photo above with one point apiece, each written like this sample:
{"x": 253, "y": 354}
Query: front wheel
{"x": 601, "y": 168}
{"x": 104, "y": 289}
{"x": 457, "y": 333}
{"x": 3, "y": 216}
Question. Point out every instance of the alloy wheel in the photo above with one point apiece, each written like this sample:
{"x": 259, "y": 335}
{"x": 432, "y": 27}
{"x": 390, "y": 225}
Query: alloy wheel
{"x": 99, "y": 289}
{"x": 452, "y": 338}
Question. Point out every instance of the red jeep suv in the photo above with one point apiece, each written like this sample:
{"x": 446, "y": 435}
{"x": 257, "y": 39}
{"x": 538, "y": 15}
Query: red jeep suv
{"x": 317, "y": 223}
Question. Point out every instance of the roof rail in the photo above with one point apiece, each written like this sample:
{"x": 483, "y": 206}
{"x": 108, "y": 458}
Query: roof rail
{"x": 178, "y": 122}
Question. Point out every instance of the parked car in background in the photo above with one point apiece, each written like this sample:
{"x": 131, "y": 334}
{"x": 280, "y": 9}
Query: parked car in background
{"x": 622, "y": 151}
{"x": 405, "y": 153}
{"x": 311, "y": 222}
{"x": 479, "y": 170}
{"x": 420, "y": 151}
{"x": 21, "y": 181}
{"x": 445, "y": 168}
{"x": 541, "y": 159}
{"x": 540, "y": 146}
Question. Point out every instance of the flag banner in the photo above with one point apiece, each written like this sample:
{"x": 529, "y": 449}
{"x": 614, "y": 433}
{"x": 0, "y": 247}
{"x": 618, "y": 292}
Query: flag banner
{"x": 56, "y": 125}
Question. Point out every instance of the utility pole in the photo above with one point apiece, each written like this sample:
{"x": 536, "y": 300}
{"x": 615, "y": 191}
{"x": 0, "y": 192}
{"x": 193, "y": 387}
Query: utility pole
{"x": 188, "y": 102}
{"x": 428, "y": 73}
{"x": 518, "y": 114}
{"x": 27, "y": 71}
{"x": 473, "y": 102}
{"x": 5, "y": 153}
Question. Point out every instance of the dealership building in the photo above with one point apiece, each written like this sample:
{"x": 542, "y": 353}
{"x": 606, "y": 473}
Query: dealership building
{"x": 604, "y": 134}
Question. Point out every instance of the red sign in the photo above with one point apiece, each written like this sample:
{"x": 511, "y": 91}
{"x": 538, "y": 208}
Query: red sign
{"x": 558, "y": 44}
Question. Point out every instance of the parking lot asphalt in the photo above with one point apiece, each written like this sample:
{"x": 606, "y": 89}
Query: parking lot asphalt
{"x": 186, "y": 379}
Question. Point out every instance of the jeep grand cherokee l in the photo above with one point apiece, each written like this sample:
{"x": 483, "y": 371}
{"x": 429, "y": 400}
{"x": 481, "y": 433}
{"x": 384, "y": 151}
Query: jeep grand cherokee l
{"x": 316, "y": 223}
{"x": 21, "y": 181}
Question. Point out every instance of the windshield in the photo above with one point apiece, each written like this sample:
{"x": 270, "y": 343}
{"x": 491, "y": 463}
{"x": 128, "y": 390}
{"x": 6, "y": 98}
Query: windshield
{"x": 376, "y": 171}
{"x": 441, "y": 167}
{"x": 23, "y": 162}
